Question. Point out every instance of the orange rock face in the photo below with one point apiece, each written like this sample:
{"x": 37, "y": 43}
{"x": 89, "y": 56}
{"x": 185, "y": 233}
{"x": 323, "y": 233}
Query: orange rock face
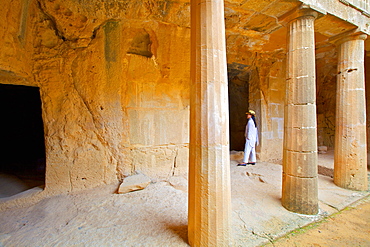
{"x": 114, "y": 79}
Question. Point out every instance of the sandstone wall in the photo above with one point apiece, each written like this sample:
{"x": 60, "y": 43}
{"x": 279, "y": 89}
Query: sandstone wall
{"x": 326, "y": 76}
{"x": 16, "y": 51}
{"x": 114, "y": 82}
{"x": 239, "y": 78}
{"x": 367, "y": 88}
{"x": 272, "y": 111}
{"x": 326, "y": 71}
{"x": 261, "y": 68}
{"x": 114, "y": 92}
{"x": 157, "y": 103}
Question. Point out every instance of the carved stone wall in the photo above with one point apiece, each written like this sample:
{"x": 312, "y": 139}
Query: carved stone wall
{"x": 367, "y": 87}
{"x": 238, "y": 78}
{"x": 326, "y": 73}
{"x": 114, "y": 92}
{"x": 114, "y": 81}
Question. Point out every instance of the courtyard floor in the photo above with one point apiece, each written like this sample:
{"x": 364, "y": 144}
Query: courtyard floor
{"x": 157, "y": 215}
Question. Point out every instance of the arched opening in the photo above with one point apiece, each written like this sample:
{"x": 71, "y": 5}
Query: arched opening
{"x": 22, "y": 146}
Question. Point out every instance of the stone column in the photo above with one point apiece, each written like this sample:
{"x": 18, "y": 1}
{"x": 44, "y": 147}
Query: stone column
{"x": 209, "y": 168}
{"x": 300, "y": 189}
{"x": 350, "y": 157}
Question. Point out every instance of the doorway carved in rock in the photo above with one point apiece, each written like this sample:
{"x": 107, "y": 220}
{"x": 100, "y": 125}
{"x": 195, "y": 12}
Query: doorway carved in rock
{"x": 238, "y": 79}
{"x": 22, "y": 146}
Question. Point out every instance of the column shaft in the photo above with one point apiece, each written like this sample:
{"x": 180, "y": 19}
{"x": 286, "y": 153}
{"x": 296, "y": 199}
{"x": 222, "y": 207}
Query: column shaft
{"x": 300, "y": 192}
{"x": 350, "y": 158}
{"x": 209, "y": 168}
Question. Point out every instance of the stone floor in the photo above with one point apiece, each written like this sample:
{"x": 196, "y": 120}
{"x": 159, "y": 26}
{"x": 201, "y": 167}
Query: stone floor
{"x": 157, "y": 215}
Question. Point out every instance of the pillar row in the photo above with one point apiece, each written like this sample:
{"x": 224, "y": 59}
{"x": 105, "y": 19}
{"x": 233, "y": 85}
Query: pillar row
{"x": 209, "y": 212}
{"x": 350, "y": 155}
{"x": 300, "y": 189}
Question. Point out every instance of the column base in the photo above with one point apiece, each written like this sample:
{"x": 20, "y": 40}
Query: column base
{"x": 300, "y": 194}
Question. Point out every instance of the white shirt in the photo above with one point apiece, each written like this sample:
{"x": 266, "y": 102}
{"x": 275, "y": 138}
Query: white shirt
{"x": 251, "y": 133}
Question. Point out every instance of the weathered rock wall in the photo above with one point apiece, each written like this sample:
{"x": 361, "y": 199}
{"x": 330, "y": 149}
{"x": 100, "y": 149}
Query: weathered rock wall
{"x": 326, "y": 76}
{"x": 114, "y": 82}
{"x": 16, "y": 50}
{"x": 157, "y": 103}
{"x": 326, "y": 71}
{"x": 114, "y": 92}
{"x": 239, "y": 78}
{"x": 263, "y": 70}
{"x": 272, "y": 110}
{"x": 367, "y": 87}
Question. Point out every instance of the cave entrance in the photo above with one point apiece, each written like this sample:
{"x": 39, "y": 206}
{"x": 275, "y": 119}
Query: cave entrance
{"x": 22, "y": 146}
{"x": 238, "y": 80}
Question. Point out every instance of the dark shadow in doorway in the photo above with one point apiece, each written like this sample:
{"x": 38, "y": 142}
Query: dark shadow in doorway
{"x": 22, "y": 146}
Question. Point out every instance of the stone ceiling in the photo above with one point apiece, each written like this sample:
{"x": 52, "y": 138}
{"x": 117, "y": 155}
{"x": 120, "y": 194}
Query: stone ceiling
{"x": 259, "y": 20}
{"x": 252, "y": 23}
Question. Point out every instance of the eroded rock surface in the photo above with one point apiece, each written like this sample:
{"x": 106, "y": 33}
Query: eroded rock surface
{"x": 133, "y": 183}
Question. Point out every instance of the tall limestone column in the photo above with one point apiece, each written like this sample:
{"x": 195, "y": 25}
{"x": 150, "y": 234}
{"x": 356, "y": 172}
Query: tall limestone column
{"x": 300, "y": 189}
{"x": 350, "y": 157}
{"x": 209, "y": 168}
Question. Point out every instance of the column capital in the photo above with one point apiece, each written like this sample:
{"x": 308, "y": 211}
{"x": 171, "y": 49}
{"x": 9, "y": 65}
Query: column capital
{"x": 354, "y": 34}
{"x": 304, "y": 10}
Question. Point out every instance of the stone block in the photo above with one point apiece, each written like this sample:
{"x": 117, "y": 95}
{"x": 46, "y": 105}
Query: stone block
{"x": 279, "y": 8}
{"x": 322, "y": 149}
{"x": 350, "y": 166}
{"x": 301, "y": 140}
{"x": 179, "y": 183}
{"x": 181, "y": 166}
{"x": 301, "y": 116}
{"x": 133, "y": 183}
{"x": 300, "y": 195}
{"x": 301, "y": 90}
{"x": 213, "y": 157}
{"x": 158, "y": 127}
{"x": 161, "y": 161}
{"x": 261, "y": 22}
{"x": 256, "y": 5}
{"x": 300, "y": 164}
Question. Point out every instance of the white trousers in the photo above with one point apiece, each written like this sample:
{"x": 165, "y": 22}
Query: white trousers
{"x": 249, "y": 152}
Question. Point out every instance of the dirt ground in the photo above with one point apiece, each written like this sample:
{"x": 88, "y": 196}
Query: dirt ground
{"x": 349, "y": 227}
{"x": 157, "y": 215}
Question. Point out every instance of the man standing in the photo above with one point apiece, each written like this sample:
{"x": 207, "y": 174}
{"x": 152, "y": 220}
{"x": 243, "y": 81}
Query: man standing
{"x": 251, "y": 140}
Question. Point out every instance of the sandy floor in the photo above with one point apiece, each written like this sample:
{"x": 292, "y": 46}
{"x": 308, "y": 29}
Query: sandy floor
{"x": 149, "y": 217}
{"x": 157, "y": 215}
{"x": 350, "y": 227}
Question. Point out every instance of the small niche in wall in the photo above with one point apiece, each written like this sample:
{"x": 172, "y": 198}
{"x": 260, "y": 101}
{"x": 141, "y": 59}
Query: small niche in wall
{"x": 22, "y": 146}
